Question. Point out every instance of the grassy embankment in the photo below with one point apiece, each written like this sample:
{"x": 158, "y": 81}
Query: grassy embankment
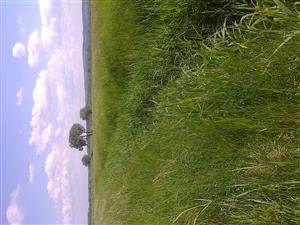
{"x": 195, "y": 112}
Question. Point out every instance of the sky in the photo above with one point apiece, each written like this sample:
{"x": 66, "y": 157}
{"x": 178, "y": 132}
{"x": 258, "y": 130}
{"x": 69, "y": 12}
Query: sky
{"x": 42, "y": 90}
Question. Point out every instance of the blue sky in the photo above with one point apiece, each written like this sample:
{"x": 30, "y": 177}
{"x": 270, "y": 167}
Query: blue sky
{"x": 42, "y": 91}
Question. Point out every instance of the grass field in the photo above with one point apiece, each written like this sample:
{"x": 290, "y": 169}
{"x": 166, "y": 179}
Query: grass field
{"x": 195, "y": 112}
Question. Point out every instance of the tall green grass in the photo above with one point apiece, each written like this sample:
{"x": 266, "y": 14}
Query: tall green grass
{"x": 196, "y": 112}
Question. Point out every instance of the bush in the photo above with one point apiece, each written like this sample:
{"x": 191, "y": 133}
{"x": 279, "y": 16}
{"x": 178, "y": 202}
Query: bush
{"x": 85, "y": 112}
{"x": 86, "y": 160}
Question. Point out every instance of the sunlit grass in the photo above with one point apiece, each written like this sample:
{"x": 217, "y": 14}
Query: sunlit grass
{"x": 195, "y": 112}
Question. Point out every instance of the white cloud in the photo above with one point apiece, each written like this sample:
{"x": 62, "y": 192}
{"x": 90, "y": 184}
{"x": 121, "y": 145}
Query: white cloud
{"x": 34, "y": 48}
{"x": 31, "y": 173}
{"x": 49, "y": 34}
{"x": 20, "y": 23}
{"x": 66, "y": 210}
{"x": 57, "y": 65}
{"x": 45, "y": 9}
{"x": 50, "y": 84}
{"x": 58, "y": 93}
{"x": 42, "y": 129}
{"x": 19, "y": 95}
{"x": 14, "y": 214}
{"x": 58, "y": 132}
{"x": 57, "y": 170}
{"x": 46, "y": 135}
{"x": 18, "y": 50}
{"x": 40, "y": 107}
{"x": 49, "y": 31}
{"x": 61, "y": 94}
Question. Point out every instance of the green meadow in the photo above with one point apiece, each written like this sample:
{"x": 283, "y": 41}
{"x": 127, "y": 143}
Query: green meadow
{"x": 195, "y": 112}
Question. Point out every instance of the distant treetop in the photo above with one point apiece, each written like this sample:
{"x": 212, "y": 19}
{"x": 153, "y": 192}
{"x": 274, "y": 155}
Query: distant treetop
{"x": 86, "y": 160}
{"x": 85, "y": 112}
{"x": 76, "y": 139}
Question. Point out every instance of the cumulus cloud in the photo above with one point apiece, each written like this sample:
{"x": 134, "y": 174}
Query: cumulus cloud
{"x": 49, "y": 34}
{"x": 46, "y": 134}
{"x": 57, "y": 65}
{"x": 18, "y": 50}
{"x": 31, "y": 173}
{"x": 41, "y": 138}
{"x": 61, "y": 93}
{"x": 14, "y": 214}
{"x": 42, "y": 129}
{"x": 50, "y": 88}
{"x": 58, "y": 132}
{"x": 19, "y": 95}
{"x": 33, "y": 48}
{"x": 45, "y": 10}
{"x": 57, "y": 170}
{"x": 49, "y": 31}
{"x": 58, "y": 93}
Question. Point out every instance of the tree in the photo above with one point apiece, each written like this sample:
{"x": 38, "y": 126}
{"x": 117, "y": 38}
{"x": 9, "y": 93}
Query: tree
{"x": 77, "y": 136}
{"x": 85, "y": 112}
{"x": 86, "y": 160}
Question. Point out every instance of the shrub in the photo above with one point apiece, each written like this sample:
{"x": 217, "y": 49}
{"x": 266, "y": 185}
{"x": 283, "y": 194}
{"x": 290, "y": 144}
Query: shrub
{"x": 85, "y": 112}
{"x": 86, "y": 160}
